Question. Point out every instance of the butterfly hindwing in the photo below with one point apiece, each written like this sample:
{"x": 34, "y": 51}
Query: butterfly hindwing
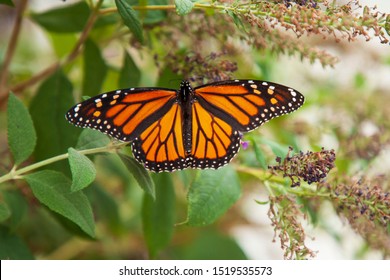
{"x": 123, "y": 114}
{"x": 199, "y": 128}
{"x": 160, "y": 147}
{"x": 247, "y": 104}
{"x": 214, "y": 141}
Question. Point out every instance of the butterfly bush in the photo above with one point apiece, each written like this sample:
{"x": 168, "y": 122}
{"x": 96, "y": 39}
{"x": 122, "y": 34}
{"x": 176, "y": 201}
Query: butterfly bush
{"x": 364, "y": 203}
{"x": 311, "y": 167}
{"x": 211, "y": 43}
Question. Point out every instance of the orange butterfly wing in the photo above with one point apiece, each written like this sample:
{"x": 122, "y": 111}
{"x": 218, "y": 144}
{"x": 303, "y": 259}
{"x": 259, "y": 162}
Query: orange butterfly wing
{"x": 214, "y": 141}
{"x": 123, "y": 114}
{"x": 153, "y": 119}
{"x": 247, "y": 104}
{"x": 160, "y": 147}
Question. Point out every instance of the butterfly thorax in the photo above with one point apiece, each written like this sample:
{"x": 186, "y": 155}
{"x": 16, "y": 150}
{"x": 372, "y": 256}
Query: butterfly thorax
{"x": 185, "y": 98}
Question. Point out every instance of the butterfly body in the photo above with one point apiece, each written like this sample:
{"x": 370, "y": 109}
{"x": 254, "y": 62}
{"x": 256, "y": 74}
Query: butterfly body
{"x": 190, "y": 127}
{"x": 185, "y": 97}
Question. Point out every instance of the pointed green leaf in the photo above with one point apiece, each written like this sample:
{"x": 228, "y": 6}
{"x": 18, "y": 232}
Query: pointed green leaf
{"x": 183, "y": 7}
{"x": 130, "y": 19}
{"x": 48, "y": 108}
{"x": 21, "y": 133}
{"x": 130, "y": 75}
{"x": 67, "y": 18}
{"x": 140, "y": 174}
{"x": 7, "y": 2}
{"x": 95, "y": 69}
{"x": 83, "y": 170}
{"x": 52, "y": 189}
{"x": 158, "y": 215}
{"x": 90, "y": 138}
{"x": 12, "y": 247}
{"x": 211, "y": 194}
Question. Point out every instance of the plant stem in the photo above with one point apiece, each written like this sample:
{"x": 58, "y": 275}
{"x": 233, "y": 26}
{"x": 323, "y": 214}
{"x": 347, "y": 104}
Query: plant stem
{"x": 17, "y": 173}
{"x": 12, "y": 45}
{"x": 52, "y": 68}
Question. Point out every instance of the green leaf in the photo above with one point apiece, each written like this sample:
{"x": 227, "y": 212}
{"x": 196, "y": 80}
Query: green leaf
{"x": 387, "y": 24}
{"x": 18, "y": 208}
{"x": 278, "y": 149}
{"x": 12, "y": 247}
{"x": 140, "y": 174}
{"x": 52, "y": 189}
{"x": 211, "y": 194}
{"x": 154, "y": 16}
{"x": 82, "y": 168}
{"x": 62, "y": 43}
{"x": 105, "y": 206}
{"x": 7, "y": 2}
{"x": 166, "y": 77}
{"x": 21, "y": 133}
{"x": 158, "y": 215}
{"x": 48, "y": 108}
{"x": 183, "y": 7}
{"x": 95, "y": 69}
{"x": 130, "y": 75}
{"x": 212, "y": 245}
{"x": 237, "y": 21}
{"x": 130, "y": 19}
{"x": 90, "y": 138}
{"x": 5, "y": 212}
{"x": 68, "y": 18}
{"x": 260, "y": 157}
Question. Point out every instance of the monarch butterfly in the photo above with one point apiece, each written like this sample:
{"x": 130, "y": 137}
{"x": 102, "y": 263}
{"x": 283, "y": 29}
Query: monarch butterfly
{"x": 190, "y": 127}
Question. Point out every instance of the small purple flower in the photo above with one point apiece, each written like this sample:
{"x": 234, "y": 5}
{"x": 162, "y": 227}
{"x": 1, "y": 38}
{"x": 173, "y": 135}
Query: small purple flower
{"x": 245, "y": 144}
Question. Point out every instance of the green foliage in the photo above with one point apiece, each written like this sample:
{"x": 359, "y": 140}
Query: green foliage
{"x": 17, "y": 207}
{"x": 211, "y": 245}
{"x": 90, "y": 139}
{"x": 95, "y": 69}
{"x": 5, "y": 212}
{"x": 158, "y": 214}
{"x": 7, "y": 2}
{"x": 12, "y": 247}
{"x": 183, "y": 7}
{"x": 68, "y": 19}
{"x": 94, "y": 46}
{"x": 53, "y": 190}
{"x": 140, "y": 174}
{"x": 130, "y": 18}
{"x": 211, "y": 194}
{"x": 48, "y": 108}
{"x": 130, "y": 74}
{"x": 21, "y": 134}
{"x": 83, "y": 170}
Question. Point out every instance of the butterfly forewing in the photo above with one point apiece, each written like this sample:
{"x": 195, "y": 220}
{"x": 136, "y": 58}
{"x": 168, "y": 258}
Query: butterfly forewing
{"x": 123, "y": 114}
{"x": 173, "y": 130}
{"x": 247, "y": 104}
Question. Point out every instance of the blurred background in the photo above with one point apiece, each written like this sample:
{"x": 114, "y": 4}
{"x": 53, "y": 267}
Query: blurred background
{"x": 345, "y": 82}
